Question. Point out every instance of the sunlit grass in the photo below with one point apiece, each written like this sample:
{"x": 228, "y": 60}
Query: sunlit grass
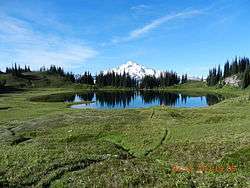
{"x": 49, "y": 144}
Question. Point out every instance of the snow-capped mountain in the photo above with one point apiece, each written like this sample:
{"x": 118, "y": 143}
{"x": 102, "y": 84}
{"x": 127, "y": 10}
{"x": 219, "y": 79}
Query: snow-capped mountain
{"x": 135, "y": 70}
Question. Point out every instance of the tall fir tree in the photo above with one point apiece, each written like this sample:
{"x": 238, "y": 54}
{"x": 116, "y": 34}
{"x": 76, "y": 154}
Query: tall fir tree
{"x": 246, "y": 78}
{"x": 226, "y": 69}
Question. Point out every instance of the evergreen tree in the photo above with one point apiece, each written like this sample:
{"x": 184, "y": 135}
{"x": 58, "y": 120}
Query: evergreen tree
{"x": 70, "y": 77}
{"x": 115, "y": 80}
{"x": 86, "y": 78}
{"x": 234, "y": 66}
{"x": 2, "y": 83}
{"x": 17, "y": 70}
{"x": 237, "y": 66}
{"x": 246, "y": 78}
{"x": 43, "y": 69}
{"x": 219, "y": 75}
{"x": 226, "y": 69}
{"x": 184, "y": 79}
{"x": 166, "y": 79}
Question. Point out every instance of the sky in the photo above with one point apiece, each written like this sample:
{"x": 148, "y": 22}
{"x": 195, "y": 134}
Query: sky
{"x": 185, "y": 36}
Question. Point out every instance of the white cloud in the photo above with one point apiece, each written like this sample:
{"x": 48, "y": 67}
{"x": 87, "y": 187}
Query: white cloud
{"x": 21, "y": 43}
{"x": 156, "y": 23}
{"x": 68, "y": 56}
{"x": 139, "y": 7}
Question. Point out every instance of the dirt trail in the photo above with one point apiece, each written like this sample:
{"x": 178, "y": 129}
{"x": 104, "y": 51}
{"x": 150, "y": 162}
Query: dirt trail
{"x": 156, "y": 147}
{"x": 151, "y": 118}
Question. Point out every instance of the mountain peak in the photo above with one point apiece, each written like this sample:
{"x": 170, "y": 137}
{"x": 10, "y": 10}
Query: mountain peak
{"x": 135, "y": 70}
{"x": 131, "y": 63}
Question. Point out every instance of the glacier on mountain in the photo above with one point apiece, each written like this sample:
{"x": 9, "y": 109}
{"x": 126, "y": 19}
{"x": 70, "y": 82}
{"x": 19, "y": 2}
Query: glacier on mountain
{"x": 135, "y": 70}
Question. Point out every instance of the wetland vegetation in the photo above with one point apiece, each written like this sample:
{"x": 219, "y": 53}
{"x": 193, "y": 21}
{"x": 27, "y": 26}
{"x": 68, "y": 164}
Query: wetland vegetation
{"x": 45, "y": 143}
{"x": 48, "y": 144}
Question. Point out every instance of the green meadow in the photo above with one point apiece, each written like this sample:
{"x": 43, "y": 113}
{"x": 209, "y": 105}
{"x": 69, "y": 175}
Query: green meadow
{"x": 48, "y": 144}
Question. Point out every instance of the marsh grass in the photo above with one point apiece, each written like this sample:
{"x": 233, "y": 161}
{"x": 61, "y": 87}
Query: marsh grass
{"x": 49, "y": 144}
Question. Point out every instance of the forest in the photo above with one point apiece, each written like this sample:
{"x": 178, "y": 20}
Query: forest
{"x": 100, "y": 80}
{"x": 238, "y": 66}
{"x": 216, "y": 76}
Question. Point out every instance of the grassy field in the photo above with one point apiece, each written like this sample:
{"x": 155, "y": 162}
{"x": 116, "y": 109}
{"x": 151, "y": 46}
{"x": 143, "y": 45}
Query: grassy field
{"x": 48, "y": 144}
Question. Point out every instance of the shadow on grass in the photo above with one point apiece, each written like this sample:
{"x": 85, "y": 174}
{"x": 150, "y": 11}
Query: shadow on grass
{"x": 4, "y": 108}
{"x": 9, "y": 89}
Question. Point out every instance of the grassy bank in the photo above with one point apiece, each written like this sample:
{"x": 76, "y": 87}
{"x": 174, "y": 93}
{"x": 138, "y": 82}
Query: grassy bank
{"x": 49, "y": 144}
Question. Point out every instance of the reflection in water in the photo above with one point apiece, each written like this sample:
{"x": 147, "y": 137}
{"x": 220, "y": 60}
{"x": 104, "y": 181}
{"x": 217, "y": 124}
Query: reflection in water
{"x": 140, "y": 99}
{"x": 168, "y": 99}
{"x": 212, "y": 99}
{"x": 131, "y": 99}
{"x": 114, "y": 99}
{"x": 86, "y": 96}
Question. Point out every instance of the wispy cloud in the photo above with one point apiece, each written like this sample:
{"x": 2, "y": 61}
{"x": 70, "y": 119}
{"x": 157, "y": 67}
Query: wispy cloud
{"x": 139, "y": 7}
{"x": 156, "y": 23}
{"x": 20, "y": 42}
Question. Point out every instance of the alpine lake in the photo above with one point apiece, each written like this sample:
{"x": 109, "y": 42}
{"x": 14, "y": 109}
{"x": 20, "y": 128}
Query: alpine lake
{"x": 131, "y": 99}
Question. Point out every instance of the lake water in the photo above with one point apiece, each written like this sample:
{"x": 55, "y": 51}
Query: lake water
{"x": 142, "y": 99}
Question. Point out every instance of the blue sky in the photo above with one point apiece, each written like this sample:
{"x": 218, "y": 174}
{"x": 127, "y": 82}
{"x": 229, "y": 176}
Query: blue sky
{"x": 186, "y": 36}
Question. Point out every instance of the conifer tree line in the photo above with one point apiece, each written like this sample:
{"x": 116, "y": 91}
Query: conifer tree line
{"x": 238, "y": 66}
{"x": 215, "y": 76}
{"x": 2, "y": 81}
{"x": 16, "y": 70}
{"x": 86, "y": 78}
{"x": 246, "y": 78}
{"x": 109, "y": 79}
{"x": 184, "y": 79}
{"x": 53, "y": 70}
{"x": 166, "y": 79}
{"x": 116, "y": 80}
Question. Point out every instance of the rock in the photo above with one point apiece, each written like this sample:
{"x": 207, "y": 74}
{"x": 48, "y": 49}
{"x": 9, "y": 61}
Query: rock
{"x": 232, "y": 81}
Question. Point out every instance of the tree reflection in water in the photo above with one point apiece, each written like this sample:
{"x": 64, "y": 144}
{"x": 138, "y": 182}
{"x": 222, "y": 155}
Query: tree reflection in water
{"x": 137, "y": 99}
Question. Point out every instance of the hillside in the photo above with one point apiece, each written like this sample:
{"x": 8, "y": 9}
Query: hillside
{"x": 34, "y": 79}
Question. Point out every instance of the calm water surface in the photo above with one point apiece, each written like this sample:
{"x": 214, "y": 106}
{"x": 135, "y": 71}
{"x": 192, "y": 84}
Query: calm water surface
{"x": 142, "y": 99}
